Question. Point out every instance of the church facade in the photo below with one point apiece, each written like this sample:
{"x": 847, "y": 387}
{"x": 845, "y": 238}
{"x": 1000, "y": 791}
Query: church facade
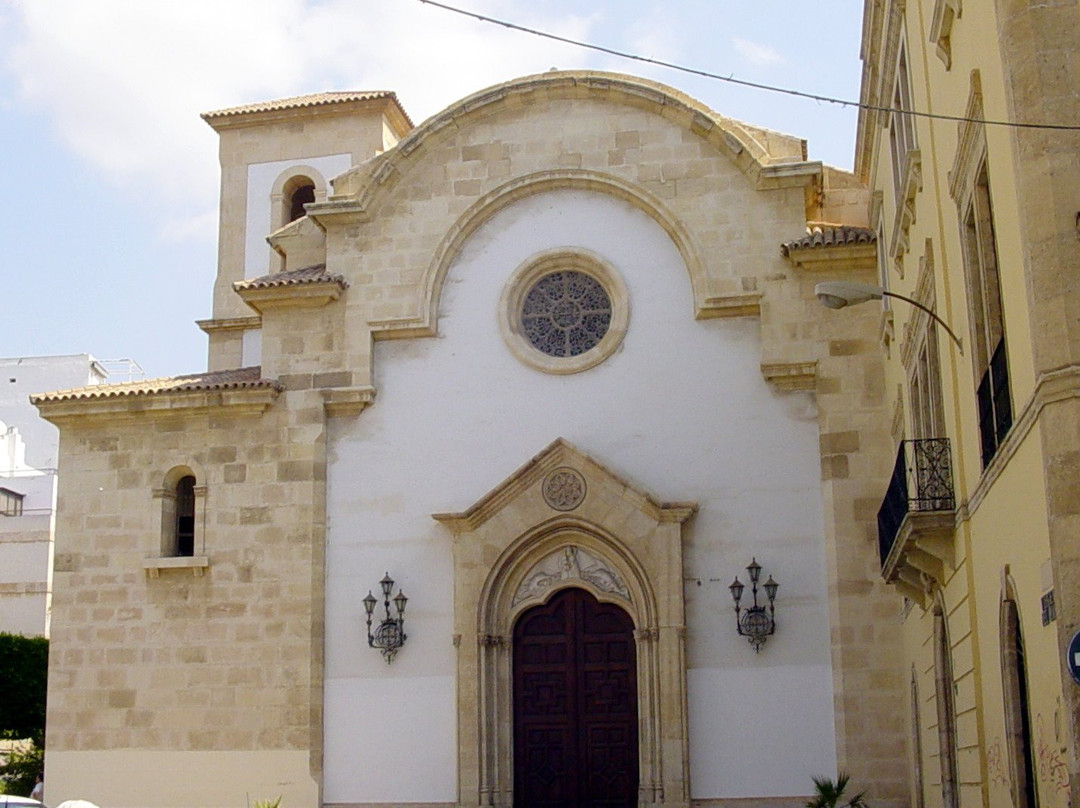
{"x": 549, "y": 364}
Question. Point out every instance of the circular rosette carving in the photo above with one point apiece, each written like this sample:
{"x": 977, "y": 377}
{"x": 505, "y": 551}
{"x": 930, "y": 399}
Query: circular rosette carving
{"x": 564, "y": 489}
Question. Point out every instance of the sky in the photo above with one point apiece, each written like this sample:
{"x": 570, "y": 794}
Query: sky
{"x": 110, "y": 235}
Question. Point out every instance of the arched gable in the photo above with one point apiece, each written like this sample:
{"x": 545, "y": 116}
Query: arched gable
{"x": 403, "y": 216}
{"x": 742, "y": 144}
{"x": 567, "y": 179}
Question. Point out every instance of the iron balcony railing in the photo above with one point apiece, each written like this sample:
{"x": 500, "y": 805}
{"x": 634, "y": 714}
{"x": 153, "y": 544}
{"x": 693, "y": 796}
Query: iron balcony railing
{"x": 921, "y": 481}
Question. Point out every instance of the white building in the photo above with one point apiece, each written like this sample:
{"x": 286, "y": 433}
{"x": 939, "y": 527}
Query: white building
{"x": 28, "y": 461}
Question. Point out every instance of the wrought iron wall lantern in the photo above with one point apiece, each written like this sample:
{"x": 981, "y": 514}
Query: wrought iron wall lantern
{"x": 755, "y": 622}
{"x": 390, "y": 635}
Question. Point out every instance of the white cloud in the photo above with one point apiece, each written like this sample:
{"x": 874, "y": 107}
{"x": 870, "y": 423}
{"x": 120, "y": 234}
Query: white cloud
{"x": 123, "y": 81}
{"x": 756, "y": 53}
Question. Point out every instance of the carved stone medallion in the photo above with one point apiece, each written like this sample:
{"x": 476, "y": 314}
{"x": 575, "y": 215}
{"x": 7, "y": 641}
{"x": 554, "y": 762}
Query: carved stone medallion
{"x": 564, "y": 489}
{"x": 570, "y": 563}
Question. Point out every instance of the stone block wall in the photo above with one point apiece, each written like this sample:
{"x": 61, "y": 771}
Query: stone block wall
{"x": 223, "y": 658}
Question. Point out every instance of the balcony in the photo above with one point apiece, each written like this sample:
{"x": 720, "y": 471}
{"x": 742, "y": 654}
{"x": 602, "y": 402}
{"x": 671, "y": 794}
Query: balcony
{"x": 917, "y": 518}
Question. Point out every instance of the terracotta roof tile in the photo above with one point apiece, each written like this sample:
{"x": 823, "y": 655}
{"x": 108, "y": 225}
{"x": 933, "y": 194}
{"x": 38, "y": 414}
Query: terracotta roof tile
{"x": 241, "y": 378}
{"x": 294, "y": 277}
{"x": 301, "y": 101}
{"x": 829, "y": 235}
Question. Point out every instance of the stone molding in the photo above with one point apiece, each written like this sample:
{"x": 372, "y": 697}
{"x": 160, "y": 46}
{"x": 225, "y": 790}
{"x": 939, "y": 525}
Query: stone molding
{"x": 534, "y": 268}
{"x": 298, "y": 296}
{"x": 340, "y": 401}
{"x": 909, "y": 186}
{"x": 970, "y": 145}
{"x": 728, "y": 136}
{"x": 1050, "y": 388}
{"x": 225, "y": 324}
{"x": 790, "y": 375}
{"x": 945, "y": 13}
{"x": 154, "y": 566}
{"x": 836, "y": 258}
{"x": 571, "y": 563}
{"x": 558, "y": 453}
{"x": 510, "y": 540}
{"x": 923, "y": 555}
{"x": 240, "y": 402}
{"x": 486, "y": 206}
{"x": 882, "y": 25}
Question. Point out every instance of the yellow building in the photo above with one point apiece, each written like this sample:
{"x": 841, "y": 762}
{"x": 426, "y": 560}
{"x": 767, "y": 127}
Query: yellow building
{"x": 976, "y": 214}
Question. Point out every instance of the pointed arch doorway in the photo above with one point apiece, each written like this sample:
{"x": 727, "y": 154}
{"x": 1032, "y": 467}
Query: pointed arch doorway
{"x": 575, "y": 704}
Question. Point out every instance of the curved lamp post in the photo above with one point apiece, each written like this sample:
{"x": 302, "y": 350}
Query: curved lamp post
{"x": 840, "y": 294}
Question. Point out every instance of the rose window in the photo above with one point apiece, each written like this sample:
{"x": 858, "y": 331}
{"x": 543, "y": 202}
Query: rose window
{"x": 565, "y": 313}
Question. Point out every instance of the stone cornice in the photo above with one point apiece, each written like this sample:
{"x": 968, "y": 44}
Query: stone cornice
{"x": 728, "y": 136}
{"x": 882, "y": 22}
{"x": 311, "y": 106}
{"x": 791, "y": 375}
{"x": 836, "y": 257}
{"x": 340, "y": 401}
{"x": 196, "y": 564}
{"x": 217, "y": 325}
{"x": 299, "y": 296}
{"x": 746, "y": 305}
{"x": 241, "y": 402}
{"x": 970, "y": 144}
{"x": 788, "y": 175}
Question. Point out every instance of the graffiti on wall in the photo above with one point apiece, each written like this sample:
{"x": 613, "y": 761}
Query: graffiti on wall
{"x": 1052, "y": 769}
{"x": 995, "y": 764}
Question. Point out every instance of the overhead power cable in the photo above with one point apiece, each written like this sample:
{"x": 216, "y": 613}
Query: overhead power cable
{"x": 743, "y": 82}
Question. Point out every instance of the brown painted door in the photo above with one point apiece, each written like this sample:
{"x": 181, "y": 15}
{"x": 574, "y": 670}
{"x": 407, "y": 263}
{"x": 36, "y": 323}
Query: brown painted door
{"x": 575, "y": 705}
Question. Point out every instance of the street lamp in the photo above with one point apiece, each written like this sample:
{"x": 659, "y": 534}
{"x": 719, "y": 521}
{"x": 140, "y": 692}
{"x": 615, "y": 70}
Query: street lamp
{"x": 753, "y": 622}
{"x": 390, "y": 635}
{"x": 840, "y": 294}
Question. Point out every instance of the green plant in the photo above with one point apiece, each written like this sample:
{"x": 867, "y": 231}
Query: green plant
{"x": 267, "y": 803}
{"x": 24, "y": 667}
{"x": 830, "y": 794}
{"x": 23, "y": 764}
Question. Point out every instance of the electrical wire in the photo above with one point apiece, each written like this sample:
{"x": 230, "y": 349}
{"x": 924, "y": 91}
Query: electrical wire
{"x": 743, "y": 82}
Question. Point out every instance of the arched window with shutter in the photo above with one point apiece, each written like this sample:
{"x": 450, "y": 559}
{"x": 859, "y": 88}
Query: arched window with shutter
{"x": 184, "y": 529}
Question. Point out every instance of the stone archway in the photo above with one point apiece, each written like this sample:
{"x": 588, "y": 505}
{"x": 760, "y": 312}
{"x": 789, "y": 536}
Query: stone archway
{"x": 512, "y": 550}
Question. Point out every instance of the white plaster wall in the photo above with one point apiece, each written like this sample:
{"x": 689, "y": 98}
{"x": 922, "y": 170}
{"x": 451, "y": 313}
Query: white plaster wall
{"x": 21, "y": 377}
{"x": 680, "y": 411}
{"x": 260, "y": 182}
{"x": 251, "y": 348}
{"x": 135, "y": 778}
{"x": 26, "y": 555}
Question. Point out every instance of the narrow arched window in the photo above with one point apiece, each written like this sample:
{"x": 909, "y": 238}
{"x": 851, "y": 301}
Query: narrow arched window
{"x": 300, "y": 197}
{"x": 917, "y": 798}
{"x": 185, "y": 516}
{"x": 946, "y": 708}
{"x": 1018, "y": 737}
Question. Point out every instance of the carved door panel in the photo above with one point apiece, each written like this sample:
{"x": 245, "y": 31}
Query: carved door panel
{"x": 575, "y": 705}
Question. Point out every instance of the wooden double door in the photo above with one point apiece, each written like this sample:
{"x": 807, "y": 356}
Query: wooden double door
{"x": 575, "y": 705}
